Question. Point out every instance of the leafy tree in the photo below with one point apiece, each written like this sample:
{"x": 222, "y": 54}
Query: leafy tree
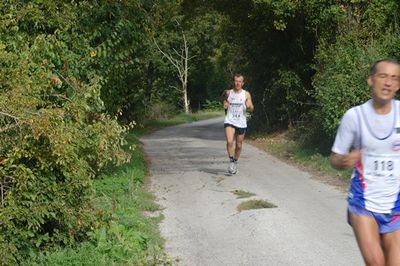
{"x": 366, "y": 35}
{"x": 53, "y": 136}
{"x": 294, "y": 54}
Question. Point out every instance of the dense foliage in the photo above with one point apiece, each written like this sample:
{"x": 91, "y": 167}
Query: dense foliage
{"x": 305, "y": 61}
{"x": 54, "y": 136}
{"x": 370, "y": 32}
{"x": 74, "y": 75}
{"x": 128, "y": 236}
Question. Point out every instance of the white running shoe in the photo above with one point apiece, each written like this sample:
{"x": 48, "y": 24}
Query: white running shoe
{"x": 235, "y": 168}
{"x": 232, "y": 169}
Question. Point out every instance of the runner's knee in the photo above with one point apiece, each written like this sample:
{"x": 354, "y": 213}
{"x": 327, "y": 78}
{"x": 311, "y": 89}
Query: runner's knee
{"x": 229, "y": 143}
{"x": 391, "y": 244}
{"x": 374, "y": 260}
{"x": 238, "y": 145}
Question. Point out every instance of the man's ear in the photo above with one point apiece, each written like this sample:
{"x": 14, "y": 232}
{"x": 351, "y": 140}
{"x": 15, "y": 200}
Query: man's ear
{"x": 369, "y": 81}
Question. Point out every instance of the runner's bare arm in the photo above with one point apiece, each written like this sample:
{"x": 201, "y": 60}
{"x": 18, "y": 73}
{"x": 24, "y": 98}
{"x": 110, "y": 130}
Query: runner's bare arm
{"x": 249, "y": 102}
{"x": 226, "y": 103}
{"x": 343, "y": 162}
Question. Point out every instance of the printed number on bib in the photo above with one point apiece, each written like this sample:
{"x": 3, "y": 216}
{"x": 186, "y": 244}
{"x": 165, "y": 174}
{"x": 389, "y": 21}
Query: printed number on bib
{"x": 380, "y": 180}
{"x": 383, "y": 165}
{"x": 383, "y": 169}
{"x": 235, "y": 111}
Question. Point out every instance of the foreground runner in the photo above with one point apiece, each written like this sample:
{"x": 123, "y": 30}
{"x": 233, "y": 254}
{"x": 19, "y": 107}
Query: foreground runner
{"x": 368, "y": 140}
{"x": 237, "y": 101}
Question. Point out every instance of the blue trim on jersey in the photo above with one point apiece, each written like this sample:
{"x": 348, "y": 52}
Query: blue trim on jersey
{"x": 396, "y": 208}
{"x": 357, "y": 190}
{"x": 393, "y": 127}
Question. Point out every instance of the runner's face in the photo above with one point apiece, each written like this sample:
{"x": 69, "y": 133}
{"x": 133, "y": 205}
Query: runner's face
{"x": 238, "y": 81}
{"x": 385, "y": 82}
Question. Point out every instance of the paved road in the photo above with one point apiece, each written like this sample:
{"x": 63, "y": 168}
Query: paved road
{"x": 202, "y": 225}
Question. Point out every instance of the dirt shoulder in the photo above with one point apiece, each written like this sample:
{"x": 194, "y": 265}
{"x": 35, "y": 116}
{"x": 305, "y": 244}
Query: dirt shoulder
{"x": 267, "y": 144}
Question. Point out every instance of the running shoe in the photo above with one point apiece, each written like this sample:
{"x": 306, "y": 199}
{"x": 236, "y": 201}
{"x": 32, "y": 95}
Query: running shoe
{"x": 235, "y": 168}
{"x": 231, "y": 168}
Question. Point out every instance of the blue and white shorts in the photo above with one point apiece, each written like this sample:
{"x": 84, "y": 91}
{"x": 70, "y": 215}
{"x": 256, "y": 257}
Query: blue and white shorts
{"x": 387, "y": 222}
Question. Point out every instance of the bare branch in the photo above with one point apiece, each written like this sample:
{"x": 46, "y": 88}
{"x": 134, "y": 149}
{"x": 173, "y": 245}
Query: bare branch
{"x": 61, "y": 97}
{"x": 179, "y": 54}
{"x": 16, "y": 118}
{"x": 32, "y": 113}
{"x": 172, "y": 60}
{"x": 175, "y": 88}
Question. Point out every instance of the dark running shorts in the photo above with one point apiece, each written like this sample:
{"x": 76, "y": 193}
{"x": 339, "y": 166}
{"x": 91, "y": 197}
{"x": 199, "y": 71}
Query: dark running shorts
{"x": 238, "y": 130}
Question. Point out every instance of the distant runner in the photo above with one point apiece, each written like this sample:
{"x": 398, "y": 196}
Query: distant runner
{"x": 368, "y": 140}
{"x": 237, "y": 102}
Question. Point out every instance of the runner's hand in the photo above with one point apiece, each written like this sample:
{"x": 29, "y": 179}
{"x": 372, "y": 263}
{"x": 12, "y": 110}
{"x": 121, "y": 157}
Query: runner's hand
{"x": 246, "y": 112}
{"x": 226, "y": 104}
{"x": 350, "y": 160}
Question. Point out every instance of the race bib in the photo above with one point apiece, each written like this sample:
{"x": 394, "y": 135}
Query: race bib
{"x": 382, "y": 169}
{"x": 236, "y": 111}
{"x": 381, "y": 178}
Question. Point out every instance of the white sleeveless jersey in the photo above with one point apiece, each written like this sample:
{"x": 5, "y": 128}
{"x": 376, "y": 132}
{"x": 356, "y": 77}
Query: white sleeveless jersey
{"x": 236, "y": 109}
{"x": 375, "y": 182}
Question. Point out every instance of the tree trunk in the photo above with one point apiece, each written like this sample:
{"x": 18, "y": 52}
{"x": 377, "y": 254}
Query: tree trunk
{"x": 180, "y": 62}
{"x": 185, "y": 76}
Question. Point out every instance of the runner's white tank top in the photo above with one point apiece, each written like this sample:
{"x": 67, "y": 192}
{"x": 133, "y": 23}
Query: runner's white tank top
{"x": 375, "y": 183}
{"x": 236, "y": 110}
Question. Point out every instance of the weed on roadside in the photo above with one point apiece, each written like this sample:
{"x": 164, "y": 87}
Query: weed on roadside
{"x": 242, "y": 194}
{"x": 255, "y": 204}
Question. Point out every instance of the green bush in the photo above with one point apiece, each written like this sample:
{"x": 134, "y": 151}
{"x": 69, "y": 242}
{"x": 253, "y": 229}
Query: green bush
{"x": 160, "y": 110}
{"x": 127, "y": 236}
{"x": 53, "y": 139}
{"x": 213, "y": 105}
{"x": 340, "y": 81}
{"x": 342, "y": 71}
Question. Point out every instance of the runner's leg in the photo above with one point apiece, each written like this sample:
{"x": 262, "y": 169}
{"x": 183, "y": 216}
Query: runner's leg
{"x": 391, "y": 246}
{"x": 238, "y": 148}
{"x": 368, "y": 238}
{"x": 229, "y": 135}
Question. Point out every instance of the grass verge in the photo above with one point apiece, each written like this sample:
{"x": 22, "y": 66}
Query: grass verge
{"x": 151, "y": 125}
{"x": 127, "y": 236}
{"x": 306, "y": 157}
